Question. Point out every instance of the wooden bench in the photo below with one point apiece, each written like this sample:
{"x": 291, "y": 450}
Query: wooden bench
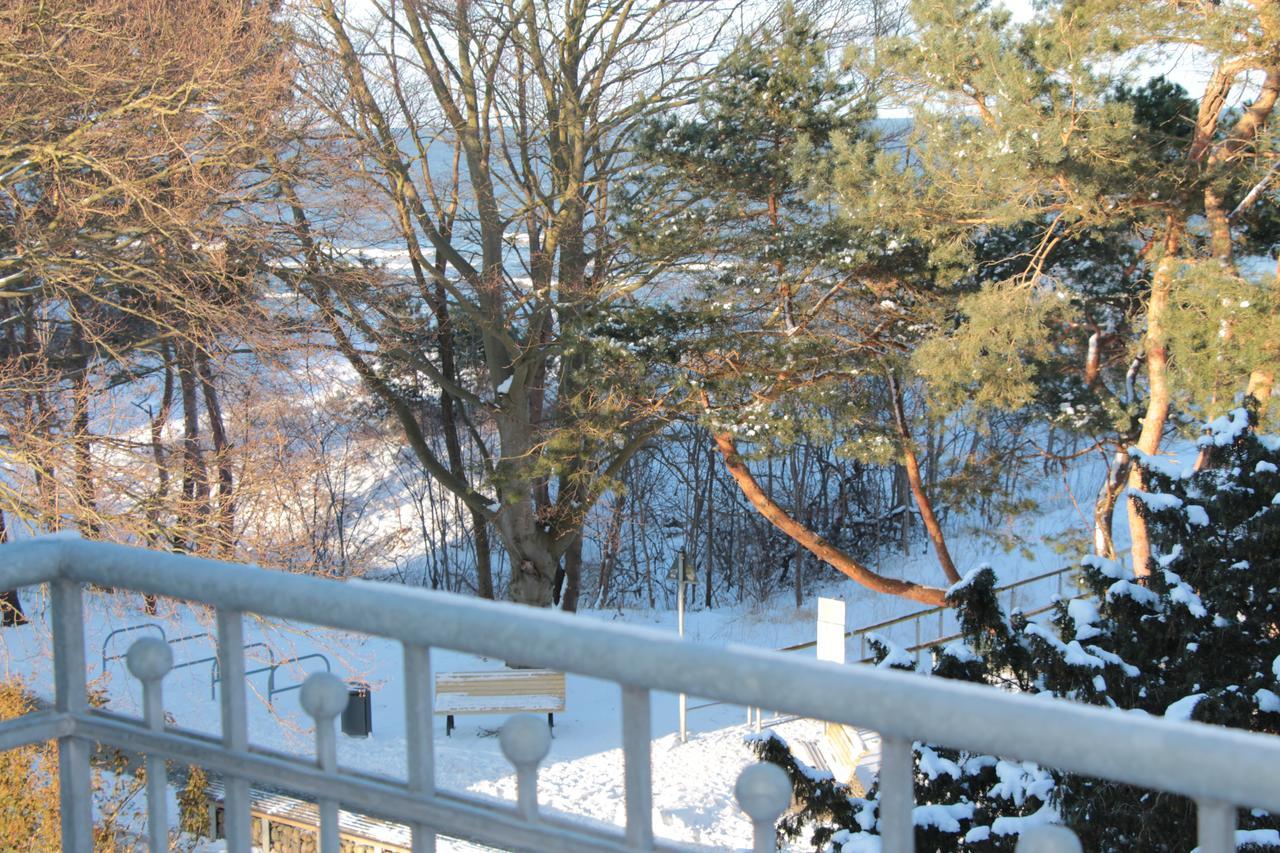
{"x": 500, "y": 691}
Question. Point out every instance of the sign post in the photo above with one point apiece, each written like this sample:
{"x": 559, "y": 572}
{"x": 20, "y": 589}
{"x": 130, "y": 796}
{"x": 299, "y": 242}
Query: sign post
{"x": 681, "y": 573}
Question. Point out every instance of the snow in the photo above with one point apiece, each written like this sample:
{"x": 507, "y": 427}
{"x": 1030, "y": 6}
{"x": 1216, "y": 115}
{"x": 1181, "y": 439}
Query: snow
{"x": 1265, "y": 467}
{"x": 945, "y": 817}
{"x": 1072, "y": 653}
{"x": 1084, "y": 613}
{"x": 1156, "y": 501}
{"x": 1109, "y": 568}
{"x": 1182, "y": 709}
{"x": 1167, "y": 466}
{"x": 856, "y": 842}
{"x": 1182, "y": 593}
{"x": 969, "y": 577}
{"x": 933, "y": 765}
{"x": 1268, "y": 701}
{"x": 504, "y": 386}
{"x": 1197, "y": 516}
{"x": 1168, "y": 560}
{"x": 1115, "y": 660}
{"x": 960, "y": 652}
{"x": 1044, "y": 816}
{"x": 1261, "y": 837}
{"x": 1018, "y": 782}
{"x": 1140, "y": 594}
{"x": 897, "y": 656}
{"x": 1225, "y": 430}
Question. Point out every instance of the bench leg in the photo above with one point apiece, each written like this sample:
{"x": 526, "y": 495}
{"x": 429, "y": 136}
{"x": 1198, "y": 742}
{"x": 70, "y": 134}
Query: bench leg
{"x": 448, "y": 726}
{"x": 551, "y": 721}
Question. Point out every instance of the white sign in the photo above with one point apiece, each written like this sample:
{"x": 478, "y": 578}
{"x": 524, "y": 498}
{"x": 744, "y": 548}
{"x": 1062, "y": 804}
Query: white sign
{"x": 831, "y": 629}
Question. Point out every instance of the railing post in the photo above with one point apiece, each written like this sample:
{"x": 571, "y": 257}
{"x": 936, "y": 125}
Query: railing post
{"x": 637, "y": 734}
{"x": 149, "y": 660}
{"x": 525, "y": 741}
{"x": 764, "y": 792}
{"x": 75, "y": 792}
{"x": 897, "y": 795}
{"x": 323, "y": 696}
{"x": 235, "y": 728}
{"x": 1216, "y": 826}
{"x": 419, "y": 735}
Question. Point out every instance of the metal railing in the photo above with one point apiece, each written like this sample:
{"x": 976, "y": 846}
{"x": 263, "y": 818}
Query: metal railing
{"x": 1222, "y": 769}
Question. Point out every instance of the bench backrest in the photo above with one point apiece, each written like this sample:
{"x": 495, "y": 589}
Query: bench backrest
{"x": 503, "y": 683}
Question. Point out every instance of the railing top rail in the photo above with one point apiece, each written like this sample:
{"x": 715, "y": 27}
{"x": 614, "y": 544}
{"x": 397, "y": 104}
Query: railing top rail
{"x": 1187, "y": 758}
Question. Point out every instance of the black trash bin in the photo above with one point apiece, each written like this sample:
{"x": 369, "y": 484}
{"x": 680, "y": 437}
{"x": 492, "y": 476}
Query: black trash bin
{"x": 357, "y": 719}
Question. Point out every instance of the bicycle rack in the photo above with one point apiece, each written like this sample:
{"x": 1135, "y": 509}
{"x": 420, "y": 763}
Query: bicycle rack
{"x": 145, "y": 625}
{"x": 215, "y": 674}
{"x": 271, "y": 678}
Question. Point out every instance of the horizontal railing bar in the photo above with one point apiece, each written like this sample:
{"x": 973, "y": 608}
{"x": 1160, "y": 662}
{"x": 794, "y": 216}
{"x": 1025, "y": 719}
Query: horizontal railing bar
{"x": 938, "y": 641}
{"x": 471, "y": 819}
{"x": 1228, "y": 764}
{"x": 35, "y": 727}
{"x": 18, "y": 572}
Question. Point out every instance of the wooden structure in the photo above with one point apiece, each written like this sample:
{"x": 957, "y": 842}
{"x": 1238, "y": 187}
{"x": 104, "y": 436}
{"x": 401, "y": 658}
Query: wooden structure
{"x": 283, "y": 824}
{"x": 499, "y": 691}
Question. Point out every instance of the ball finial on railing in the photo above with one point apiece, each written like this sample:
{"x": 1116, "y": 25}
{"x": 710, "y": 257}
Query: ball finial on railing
{"x": 763, "y": 791}
{"x": 1048, "y": 839}
{"x": 525, "y": 739}
{"x": 323, "y": 695}
{"x": 149, "y": 659}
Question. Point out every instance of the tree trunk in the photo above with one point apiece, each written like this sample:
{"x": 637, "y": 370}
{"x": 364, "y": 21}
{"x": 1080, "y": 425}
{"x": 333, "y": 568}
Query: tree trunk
{"x": 798, "y": 507}
{"x": 912, "y": 466}
{"x": 1159, "y": 394}
{"x": 1104, "y": 508}
{"x": 161, "y": 494}
{"x": 10, "y": 606}
{"x": 902, "y": 498}
{"x": 195, "y": 486}
{"x": 612, "y": 548}
{"x": 811, "y": 541}
{"x": 1261, "y": 383}
{"x": 572, "y": 577}
{"x": 226, "y": 504}
{"x": 533, "y": 567}
{"x": 86, "y": 500}
{"x": 711, "y": 533}
{"x": 484, "y": 555}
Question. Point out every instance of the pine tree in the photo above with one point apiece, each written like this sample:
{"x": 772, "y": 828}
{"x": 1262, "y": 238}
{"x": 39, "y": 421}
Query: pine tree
{"x": 803, "y": 313}
{"x": 1198, "y": 637}
{"x": 1035, "y": 128}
